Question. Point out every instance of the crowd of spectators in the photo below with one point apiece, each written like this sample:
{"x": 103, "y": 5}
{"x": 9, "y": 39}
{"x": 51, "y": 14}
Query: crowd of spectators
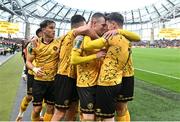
{"x": 7, "y": 46}
{"x": 10, "y": 45}
{"x": 162, "y": 43}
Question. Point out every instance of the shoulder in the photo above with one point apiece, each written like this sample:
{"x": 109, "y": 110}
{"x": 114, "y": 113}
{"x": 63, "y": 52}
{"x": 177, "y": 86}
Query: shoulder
{"x": 116, "y": 37}
{"x": 34, "y": 43}
{"x": 59, "y": 39}
{"x": 87, "y": 38}
{"x": 70, "y": 34}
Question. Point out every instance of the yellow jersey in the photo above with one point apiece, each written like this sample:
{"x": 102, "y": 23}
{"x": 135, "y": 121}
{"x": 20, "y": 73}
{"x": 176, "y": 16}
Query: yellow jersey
{"x": 64, "y": 66}
{"x": 46, "y": 57}
{"x": 87, "y": 72}
{"x": 133, "y": 37}
{"x": 129, "y": 68}
{"x": 114, "y": 62}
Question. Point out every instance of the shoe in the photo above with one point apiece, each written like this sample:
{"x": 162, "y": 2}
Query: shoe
{"x": 19, "y": 119}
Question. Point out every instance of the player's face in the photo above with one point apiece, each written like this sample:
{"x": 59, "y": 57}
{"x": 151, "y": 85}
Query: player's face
{"x": 105, "y": 28}
{"x": 49, "y": 31}
{"x": 99, "y": 26}
{"x": 110, "y": 25}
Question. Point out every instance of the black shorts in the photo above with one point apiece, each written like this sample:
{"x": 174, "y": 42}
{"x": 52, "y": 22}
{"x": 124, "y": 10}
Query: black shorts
{"x": 127, "y": 90}
{"x": 43, "y": 90}
{"x": 106, "y": 100}
{"x": 87, "y": 99}
{"x": 65, "y": 91}
{"x": 30, "y": 79}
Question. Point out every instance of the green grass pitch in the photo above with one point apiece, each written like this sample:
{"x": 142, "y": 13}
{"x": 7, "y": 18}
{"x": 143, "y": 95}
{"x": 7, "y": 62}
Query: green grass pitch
{"x": 162, "y": 61}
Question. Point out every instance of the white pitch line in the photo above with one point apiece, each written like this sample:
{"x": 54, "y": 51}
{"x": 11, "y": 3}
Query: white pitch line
{"x": 157, "y": 73}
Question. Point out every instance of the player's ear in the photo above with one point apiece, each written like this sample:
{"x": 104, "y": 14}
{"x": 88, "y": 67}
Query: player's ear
{"x": 92, "y": 22}
{"x": 43, "y": 29}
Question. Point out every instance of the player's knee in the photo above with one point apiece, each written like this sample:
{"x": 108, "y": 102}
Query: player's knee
{"x": 37, "y": 109}
{"x": 29, "y": 97}
{"x": 60, "y": 112}
{"x": 50, "y": 109}
{"x": 121, "y": 109}
{"x": 88, "y": 117}
{"x": 121, "y": 112}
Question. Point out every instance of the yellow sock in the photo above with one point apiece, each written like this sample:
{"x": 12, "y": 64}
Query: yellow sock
{"x": 125, "y": 117}
{"x": 34, "y": 117}
{"x": 128, "y": 119}
{"x": 47, "y": 117}
{"x": 24, "y": 104}
{"x": 121, "y": 118}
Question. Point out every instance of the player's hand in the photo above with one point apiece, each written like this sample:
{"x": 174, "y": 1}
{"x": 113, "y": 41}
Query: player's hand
{"x": 109, "y": 34}
{"x": 24, "y": 77}
{"x": 81, "y": 30}
{"x": 38, "y": 71}
{"x": 101, "y": 54}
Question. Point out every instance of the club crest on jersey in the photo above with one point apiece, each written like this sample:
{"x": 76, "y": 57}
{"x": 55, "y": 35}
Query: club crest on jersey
{"x": 55, "y": 48}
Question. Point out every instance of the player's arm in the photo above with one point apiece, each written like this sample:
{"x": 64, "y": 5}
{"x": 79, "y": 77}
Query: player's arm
{"x": 131, "y": 36}
{"x": 85, "y": 30}
{"x": 89, "y": 44}
{"x": 30, "y": 58}
{"x": 76, "y": 57}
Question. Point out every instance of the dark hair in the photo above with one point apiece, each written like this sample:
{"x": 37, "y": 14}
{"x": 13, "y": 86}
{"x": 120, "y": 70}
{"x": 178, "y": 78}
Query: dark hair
{"x": 117, "y": 17}
{"x": 38, "y": 31}
{"x": 45, "y": 23}
{"x": 98, "y": 15}
{"x": 106, "y": 15}
{"x": 77, "y": 19}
